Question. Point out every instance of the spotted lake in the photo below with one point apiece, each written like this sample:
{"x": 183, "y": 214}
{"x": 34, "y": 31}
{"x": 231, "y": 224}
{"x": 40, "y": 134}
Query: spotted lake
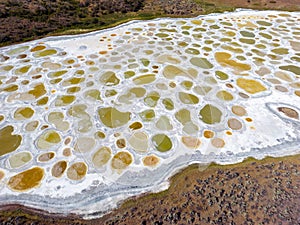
{"x": 89, "y": 120}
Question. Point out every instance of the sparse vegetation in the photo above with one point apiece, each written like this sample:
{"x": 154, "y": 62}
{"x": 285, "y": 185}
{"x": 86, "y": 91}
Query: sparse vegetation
{"x": 23, "y": 20}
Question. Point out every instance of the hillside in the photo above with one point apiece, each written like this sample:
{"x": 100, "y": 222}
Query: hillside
{"x": 23, "y": 20}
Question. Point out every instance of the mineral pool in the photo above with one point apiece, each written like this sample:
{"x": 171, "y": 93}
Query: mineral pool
{"x": 89, "y": 120}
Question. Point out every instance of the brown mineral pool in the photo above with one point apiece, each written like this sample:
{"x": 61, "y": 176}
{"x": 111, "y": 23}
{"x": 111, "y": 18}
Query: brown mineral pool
{"x": 77, "y": 171}
{"x": 38, "y": 90}
{"x": 38, "y": 48}
{"x": 224, "y": 59}
{"x": 224, "y": 95}
{"x": 218, "y": 142}
{"x": 289, "y": 112}
{"x": 27, "y": 179}
{"x": 191, "y": 142}
{"x": 208, "y": 134}
{"x": 250, "y": 86}
{"x": 238, "y": 110}
{"x": 101, "y": 156}
{"x": 234, "y": 124}
{"x": 59, "y": 168}
{"x": 150, "y": 160}
{"x": 9, "y": 142}
{"x": 45, "y": 157}
{"x": 136, "y": 125}
{"x": 121, "y": 160}
{"x": 121, "y": 143}
{"x": 67, "y": 152}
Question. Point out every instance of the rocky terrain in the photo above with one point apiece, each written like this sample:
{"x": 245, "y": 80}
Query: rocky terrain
{"x": 23, "y": 20}
{"x": 252, "y": 192}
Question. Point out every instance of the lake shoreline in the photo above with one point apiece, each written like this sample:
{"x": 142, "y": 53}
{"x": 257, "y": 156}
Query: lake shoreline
{"x": 277, "y": 179}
